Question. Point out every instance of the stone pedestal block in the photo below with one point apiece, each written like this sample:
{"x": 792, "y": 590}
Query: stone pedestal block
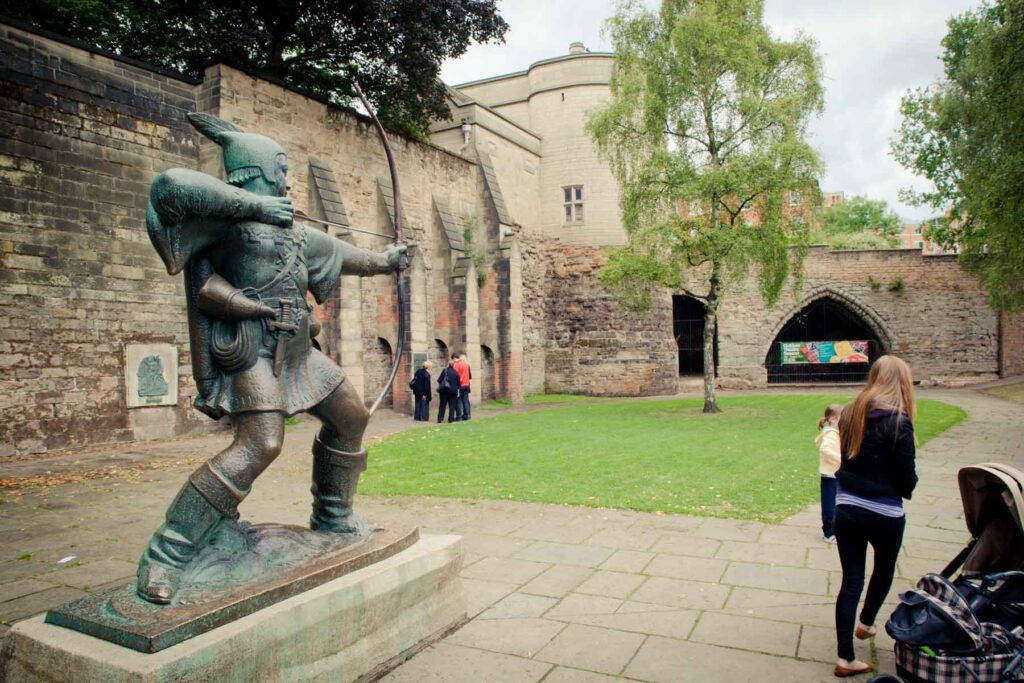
{"x": 343, "y": 630}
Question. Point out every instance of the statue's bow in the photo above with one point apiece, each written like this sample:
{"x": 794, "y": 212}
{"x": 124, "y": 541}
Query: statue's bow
{"x": 403, "y": 262}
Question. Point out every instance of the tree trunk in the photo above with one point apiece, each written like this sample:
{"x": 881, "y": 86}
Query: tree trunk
{"x": 710, "y": 324}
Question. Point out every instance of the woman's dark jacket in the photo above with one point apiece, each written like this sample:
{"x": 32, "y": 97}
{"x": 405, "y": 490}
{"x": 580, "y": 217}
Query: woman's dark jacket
{"x": 421, "y": 384}
{"x": 453, "y": 379}
{"x": 884, "y": 468}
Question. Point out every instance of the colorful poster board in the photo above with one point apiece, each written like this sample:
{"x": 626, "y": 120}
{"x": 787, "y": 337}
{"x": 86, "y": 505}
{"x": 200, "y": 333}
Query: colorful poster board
{"x": 820, "y": 352}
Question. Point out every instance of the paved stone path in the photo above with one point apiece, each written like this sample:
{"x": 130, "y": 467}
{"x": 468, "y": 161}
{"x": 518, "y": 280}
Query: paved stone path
{"x": 560, "y": 594}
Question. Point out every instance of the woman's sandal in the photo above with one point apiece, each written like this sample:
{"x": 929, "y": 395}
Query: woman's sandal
{"x": 843, "y": 671}
{"x": 864, "y": 632}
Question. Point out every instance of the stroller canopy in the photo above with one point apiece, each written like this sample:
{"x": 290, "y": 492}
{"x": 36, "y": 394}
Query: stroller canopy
{"x": 994, "y": 512}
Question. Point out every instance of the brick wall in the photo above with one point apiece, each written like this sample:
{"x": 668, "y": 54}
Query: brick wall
{"x": 82, "y": 137}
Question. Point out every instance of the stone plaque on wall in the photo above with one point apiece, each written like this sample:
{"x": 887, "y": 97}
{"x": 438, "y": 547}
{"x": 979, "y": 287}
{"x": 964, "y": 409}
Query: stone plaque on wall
{"x": 150, "y": 375}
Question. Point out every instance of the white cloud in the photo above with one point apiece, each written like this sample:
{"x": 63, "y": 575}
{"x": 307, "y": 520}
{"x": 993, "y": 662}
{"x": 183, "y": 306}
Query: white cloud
{"x": 873, "y": 52}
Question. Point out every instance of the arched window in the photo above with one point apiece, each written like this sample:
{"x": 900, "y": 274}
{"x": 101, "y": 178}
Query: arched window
{"x": 378, "y": 361}
{"x": 486, "y": 384}
{"x": 439, "y": 355}
{"x": 825, "y": 341}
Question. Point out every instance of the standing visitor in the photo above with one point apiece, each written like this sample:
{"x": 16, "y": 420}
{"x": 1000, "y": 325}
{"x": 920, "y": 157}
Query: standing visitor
{"x": 447, "y": 393}
{"x": 877, "y": 472}
{"x": 421, "y": 390}
{"x": 465, "y": 375}
{"x": 828, "y": 463}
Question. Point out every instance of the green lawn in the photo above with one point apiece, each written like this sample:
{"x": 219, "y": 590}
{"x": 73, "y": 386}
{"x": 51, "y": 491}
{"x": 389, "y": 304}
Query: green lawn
{"x": 755, "y": 460}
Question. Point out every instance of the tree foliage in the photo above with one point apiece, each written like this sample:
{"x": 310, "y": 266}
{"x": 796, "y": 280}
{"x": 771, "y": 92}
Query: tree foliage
{"x": 965, "y": 134}
{"x": 708, "y": 112}
{"x": 396, "y": 46}
{"x": 859, "y": 223}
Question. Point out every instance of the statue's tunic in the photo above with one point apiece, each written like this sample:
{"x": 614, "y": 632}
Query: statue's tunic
{"x": 277, "y": 266}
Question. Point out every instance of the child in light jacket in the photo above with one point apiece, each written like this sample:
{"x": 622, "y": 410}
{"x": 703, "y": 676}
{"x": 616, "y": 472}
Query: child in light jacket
{"x": 828, "y": 464}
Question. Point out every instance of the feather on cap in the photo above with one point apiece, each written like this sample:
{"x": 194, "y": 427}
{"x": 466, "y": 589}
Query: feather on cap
{"x": 211, "y": 126}
{"x": 246, "y": 155}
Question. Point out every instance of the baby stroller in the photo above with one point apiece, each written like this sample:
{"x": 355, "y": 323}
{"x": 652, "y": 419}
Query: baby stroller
{"x": 970, "y": 629}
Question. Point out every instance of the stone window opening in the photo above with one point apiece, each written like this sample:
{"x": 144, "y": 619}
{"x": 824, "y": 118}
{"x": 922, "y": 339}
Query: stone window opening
{"x": 572, "y": 200}
{"x": 920, "y": 244}
{"x": 796, "y": 197}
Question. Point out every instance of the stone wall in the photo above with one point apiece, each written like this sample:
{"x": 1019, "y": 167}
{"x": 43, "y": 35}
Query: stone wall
{"x": 938, "y": 321}
{"x": 1011, "y": 344}
{"x": 595, "y": 347}
{"x": 83, "y": 136}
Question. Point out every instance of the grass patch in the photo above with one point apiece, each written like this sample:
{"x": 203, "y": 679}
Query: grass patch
{"x": 540, "y": 399}
{"x": 755, "y": 460}
{"x": 1010, "y": 392}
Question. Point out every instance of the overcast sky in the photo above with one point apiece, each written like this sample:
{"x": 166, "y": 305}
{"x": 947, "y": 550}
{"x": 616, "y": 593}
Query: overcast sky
{"x": 873, "y": 52}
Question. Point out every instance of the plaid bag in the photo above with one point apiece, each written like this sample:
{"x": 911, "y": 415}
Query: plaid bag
{"x": 915, "y": 665}
{"x": 997, "y": 654}
{"x": 936, "y": 615}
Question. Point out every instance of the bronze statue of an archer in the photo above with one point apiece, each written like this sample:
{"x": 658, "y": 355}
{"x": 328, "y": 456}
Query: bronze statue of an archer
{"x": 247, "y": 268}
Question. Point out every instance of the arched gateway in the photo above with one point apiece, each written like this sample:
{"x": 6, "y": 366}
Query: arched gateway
{"x": 829, "y": 337}
{"x": 688, "y": 329}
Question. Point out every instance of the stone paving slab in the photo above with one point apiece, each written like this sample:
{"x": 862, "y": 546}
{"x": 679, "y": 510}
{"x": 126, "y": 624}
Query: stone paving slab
{"x": 449, "y": 663}
{"x": 557, "y": 593}
{"x": 591, "y": 648}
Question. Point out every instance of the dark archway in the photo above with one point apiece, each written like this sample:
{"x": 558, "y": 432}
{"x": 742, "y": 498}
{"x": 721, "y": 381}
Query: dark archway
{"x": 688, "y": 329}
{"x": 487, "y": 392}
{"x": 378, "y": 361}
{"x": 825, "y": 319}
{"x": 438, "y": 357}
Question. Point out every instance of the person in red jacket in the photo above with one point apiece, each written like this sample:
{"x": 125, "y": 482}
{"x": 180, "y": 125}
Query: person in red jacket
{"x": 465, "y": 375}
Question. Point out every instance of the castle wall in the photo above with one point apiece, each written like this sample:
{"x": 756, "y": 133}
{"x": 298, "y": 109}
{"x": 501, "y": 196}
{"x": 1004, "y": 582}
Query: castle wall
{"x": 80, "y": 280}
{"x": 938, "y": 321}
{"x": 83, "y": 137}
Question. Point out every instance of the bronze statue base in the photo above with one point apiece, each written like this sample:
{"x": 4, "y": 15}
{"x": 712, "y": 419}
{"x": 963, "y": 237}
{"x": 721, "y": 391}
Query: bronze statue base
{"x": 251, "y": 568}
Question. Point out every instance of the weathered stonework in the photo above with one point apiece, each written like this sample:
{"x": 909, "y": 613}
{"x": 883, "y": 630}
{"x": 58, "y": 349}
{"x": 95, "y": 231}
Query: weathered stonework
{"x": 83, "y": 135}
{"x": 89, "y": 131}
{"x": 594, "y": 345}
{"x": 939, "y": 322}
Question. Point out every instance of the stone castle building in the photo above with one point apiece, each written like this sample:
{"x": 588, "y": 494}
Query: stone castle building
{"x": 510, "y": 207}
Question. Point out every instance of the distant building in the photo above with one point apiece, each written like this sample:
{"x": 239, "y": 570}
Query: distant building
{"x": 832, "y": 199}
{"x": 914, "y": 236}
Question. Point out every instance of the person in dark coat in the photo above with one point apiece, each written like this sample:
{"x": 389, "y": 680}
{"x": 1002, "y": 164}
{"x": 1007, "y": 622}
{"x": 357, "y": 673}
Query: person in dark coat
{"x": 877, "y": 472}
{"x": 421, "y": 389}
{"x": 448, "y": 393}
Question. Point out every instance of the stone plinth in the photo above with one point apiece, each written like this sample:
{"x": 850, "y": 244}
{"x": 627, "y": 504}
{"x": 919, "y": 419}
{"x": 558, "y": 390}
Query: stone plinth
{"x": 339, "y": 631}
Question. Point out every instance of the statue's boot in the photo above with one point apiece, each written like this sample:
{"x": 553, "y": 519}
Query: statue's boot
{"x": 335, "y": 477}
{"x": 191, "y": 521}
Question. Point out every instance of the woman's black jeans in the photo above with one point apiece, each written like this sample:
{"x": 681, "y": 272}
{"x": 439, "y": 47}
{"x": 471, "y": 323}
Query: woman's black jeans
{"x": 855, "y": 529}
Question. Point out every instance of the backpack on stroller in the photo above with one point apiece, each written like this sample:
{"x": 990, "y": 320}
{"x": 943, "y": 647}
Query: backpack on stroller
{"x": 971, "y": 629}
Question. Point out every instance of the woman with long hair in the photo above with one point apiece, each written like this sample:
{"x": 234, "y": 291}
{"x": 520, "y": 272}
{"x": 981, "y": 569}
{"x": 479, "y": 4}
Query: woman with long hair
{"x": 876, "y": 432}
